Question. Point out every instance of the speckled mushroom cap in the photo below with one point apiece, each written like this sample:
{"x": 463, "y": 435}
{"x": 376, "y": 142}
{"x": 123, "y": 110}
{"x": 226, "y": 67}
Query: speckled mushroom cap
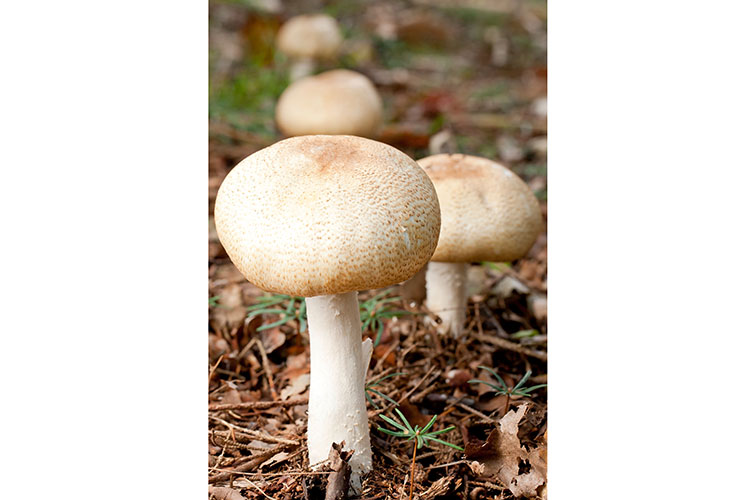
{"x": 310, "y": 35}
{"x": 321, "y": 215}
{"x": 334, "y": 102}
{"x": 488, "y": 212}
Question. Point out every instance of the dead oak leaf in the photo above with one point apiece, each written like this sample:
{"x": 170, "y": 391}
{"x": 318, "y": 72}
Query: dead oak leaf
{"x": 500, "y": 456}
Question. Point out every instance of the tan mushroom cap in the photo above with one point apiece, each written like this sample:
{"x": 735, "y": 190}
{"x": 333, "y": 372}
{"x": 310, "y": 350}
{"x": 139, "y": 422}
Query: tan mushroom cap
{"x": 334, "y": 102}
{"x": 488, "y": 212}
{"x": 321, "y": 215}
{"x": 310, "y": 35}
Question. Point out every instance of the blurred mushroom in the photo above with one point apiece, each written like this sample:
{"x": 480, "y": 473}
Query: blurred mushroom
{"x": 343, "y": 214}
{"x": 306, "y": 39}
{"x": 338, "y": 102}
{"x": 488, "y": 214}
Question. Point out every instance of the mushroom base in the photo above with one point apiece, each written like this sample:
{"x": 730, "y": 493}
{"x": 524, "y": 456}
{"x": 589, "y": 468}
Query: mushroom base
{"x": 337, "y": 410}
{"x": 446, "y": 295}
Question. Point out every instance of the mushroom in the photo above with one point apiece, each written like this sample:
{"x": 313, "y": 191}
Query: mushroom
{"x": 323, "y": 217}
{"x": 307, "y": 38}
{"x": 488, "y": 214}
{"x": 337, "y": 102}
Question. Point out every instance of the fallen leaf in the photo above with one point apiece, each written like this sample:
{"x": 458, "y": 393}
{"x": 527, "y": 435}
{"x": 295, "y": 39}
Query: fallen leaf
{"x": 222, "y": 493}
{"x": 279, "y": 457}
{"x": 500, "y": 455}
{"x": 296, "y": 386}
{"x": 338, "y": 480}
{"x": 272, "y": 339}
{"x": 412, "y": 414}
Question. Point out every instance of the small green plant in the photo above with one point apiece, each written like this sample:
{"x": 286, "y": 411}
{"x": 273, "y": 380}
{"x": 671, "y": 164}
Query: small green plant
{"x": 420, "y": 436}
{"x": 214, "y": 301}
{"x": 295, "y": 309}
{"x": 504, "y": 390}
{"x": 370, "y": 387}
{"x": 373, "y": 312}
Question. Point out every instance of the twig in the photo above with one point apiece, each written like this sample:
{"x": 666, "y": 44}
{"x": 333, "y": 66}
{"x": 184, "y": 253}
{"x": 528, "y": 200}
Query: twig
{"x": 512, "y": 346}
{"x": 440, "y": 466}
{"x": 213, "y": 369}
{"x": 254, "y": 462}
{"x": 258, "y": 488}
{"x": 405, "y": 396}
{"x": 482, "y": 416}
{"x": 258, "y": 405}
{"x": 267, "y": 369}
{"x": 258, "y": 435}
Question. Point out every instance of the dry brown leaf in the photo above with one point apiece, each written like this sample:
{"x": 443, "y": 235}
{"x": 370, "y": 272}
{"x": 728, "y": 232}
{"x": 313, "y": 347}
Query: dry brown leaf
{"x": 230, "y": 313}
{"x": 278, "y": 458}
{"x": 296, "y": 386}
{"x": 501, "y": 454}
{"x": 412, "y": 414}
{"x": 222, "y": 493}
{"x": 338, "y": 480}
{"x": 272, "y": 339}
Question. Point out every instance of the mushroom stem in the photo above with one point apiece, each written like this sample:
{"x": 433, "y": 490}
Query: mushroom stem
{"x": 337, "y": 410}
{"x": 446, "y": 295}
{"x": 412, "y": 289}
{"x": 300, "y": 68}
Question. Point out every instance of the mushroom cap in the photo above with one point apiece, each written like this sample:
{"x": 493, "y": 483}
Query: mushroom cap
{"x": 321, "y": 215}
{"x": 333, "y": 102}
{"x": 488, "y": 212}
{"x": 310, "y": 35}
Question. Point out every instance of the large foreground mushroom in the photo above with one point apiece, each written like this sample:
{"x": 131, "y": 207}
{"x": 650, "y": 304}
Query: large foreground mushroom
{"x": 488, "y": 214}
{"x": 323, "y": 217}
{"x": 336, "y": 102}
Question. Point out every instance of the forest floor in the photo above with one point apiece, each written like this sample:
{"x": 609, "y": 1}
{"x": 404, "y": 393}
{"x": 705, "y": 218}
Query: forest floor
{"x": 453, "y": 79}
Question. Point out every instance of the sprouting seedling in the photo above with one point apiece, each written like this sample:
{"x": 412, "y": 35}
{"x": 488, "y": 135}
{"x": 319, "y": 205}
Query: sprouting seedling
{"x": 374, "y": 311}
{"x": 295, "y": 309}
{"x": 504, "y": 390}
{"x": 420, "y": 436}
{"x": 370, "y": 387}
{"x": 214, "y": 301}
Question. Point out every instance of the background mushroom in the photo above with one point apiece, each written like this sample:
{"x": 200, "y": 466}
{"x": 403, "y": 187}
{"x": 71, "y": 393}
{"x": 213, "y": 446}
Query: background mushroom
{"x": 307, "y": 38}
{"x": 334, "y": 102}
{"x": 323, "y": 217}
{"x": 488, "y": 214}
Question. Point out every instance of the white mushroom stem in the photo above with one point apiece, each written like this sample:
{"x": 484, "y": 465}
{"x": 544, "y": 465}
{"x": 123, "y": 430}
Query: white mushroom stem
{"x": 413, "y": 288}
{"x": 446, "y": 295}
{"x": 301, "y": 67}
{"x": 337, "y": 410}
